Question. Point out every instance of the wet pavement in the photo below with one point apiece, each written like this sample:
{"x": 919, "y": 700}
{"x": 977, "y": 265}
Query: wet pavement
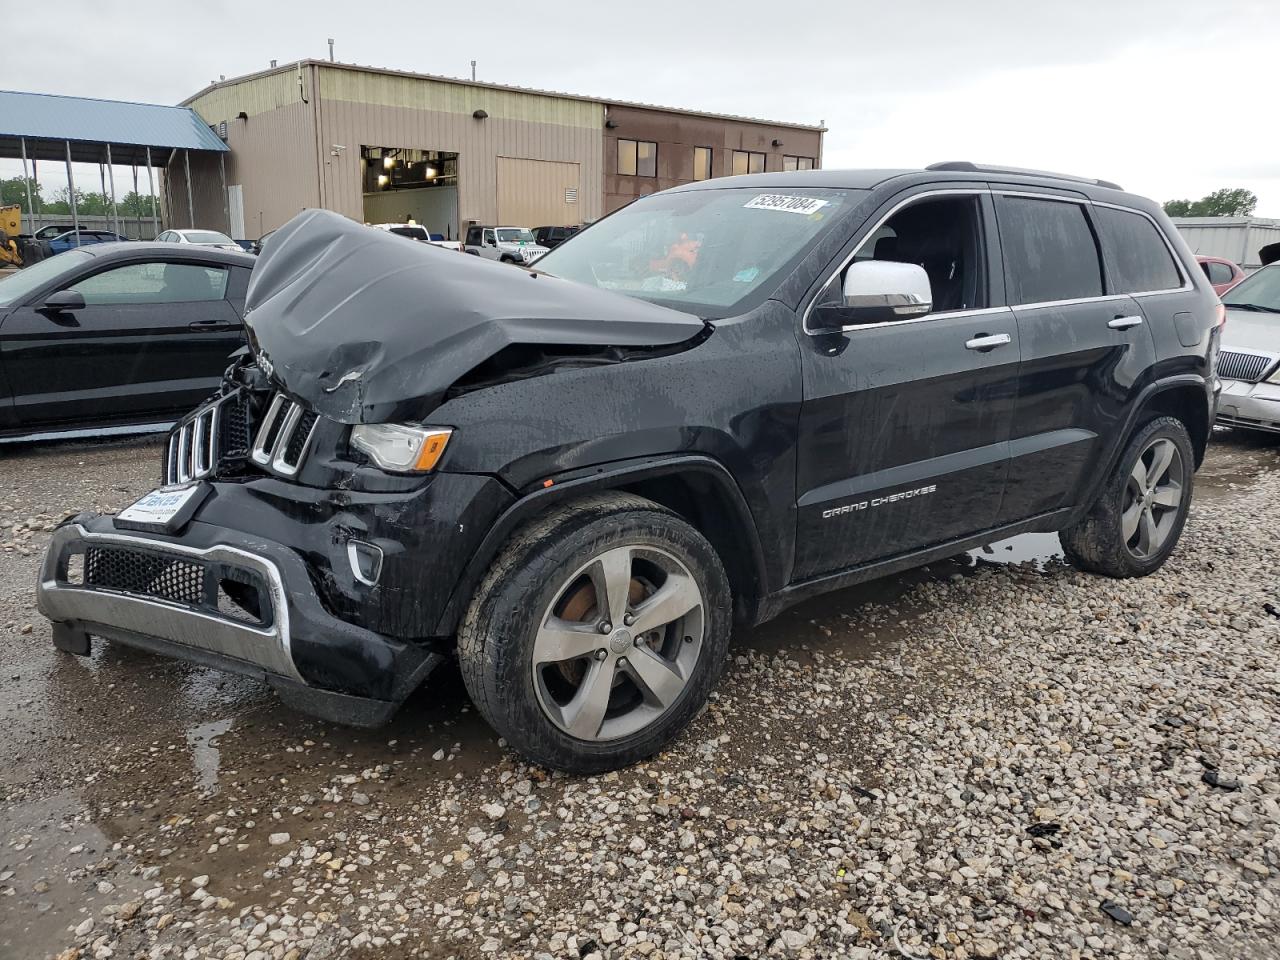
{"x": 121, "y": 767}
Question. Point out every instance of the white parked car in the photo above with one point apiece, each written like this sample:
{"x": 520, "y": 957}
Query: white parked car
{"x": 506, "y": 244}
{"x": 416, "y": 231}
{"x": 204, "y": 238}
{"x": 1249, "y": 359}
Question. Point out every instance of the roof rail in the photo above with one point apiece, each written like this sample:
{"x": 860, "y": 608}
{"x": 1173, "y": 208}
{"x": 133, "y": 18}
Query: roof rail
{"x": 966, "y": 166}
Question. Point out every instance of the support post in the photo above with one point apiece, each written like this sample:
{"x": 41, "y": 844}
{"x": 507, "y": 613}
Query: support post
{"x": 226, "y": 201}
{"x": 71, "y": 194}
{"x": 31, "y": 210}
{"x": 191, "y": 204}
{"x": 111, "y": 177}
{"x": 137, "y": 209}
{"x": 151, "y": 192}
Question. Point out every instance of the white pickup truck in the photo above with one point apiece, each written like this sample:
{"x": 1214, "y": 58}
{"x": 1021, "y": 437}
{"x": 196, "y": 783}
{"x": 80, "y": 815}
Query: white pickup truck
{"x": 506, "y": 244}
{"x": 416, "y": 231}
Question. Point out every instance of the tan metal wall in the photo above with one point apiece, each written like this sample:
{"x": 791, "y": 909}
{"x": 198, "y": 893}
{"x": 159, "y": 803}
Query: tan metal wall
{"x": 273, "y": 154}
{"x": 532, "y": 193}
{"x": 371, "y": 109}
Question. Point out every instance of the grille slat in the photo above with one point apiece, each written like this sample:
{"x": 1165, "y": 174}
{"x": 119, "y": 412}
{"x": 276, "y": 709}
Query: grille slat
{"x": 284, "y": 436}
{"x": 1249, "y": 367}
{"x": 196, "y": 444}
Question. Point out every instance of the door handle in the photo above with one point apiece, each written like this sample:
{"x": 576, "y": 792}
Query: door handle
{"x": 988, "y": 341}
{"x": 1124, "y": 323}
{"x": 210, "y": 326}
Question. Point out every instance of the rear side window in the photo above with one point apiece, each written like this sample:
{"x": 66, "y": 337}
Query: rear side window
{"x": 1140, "y": 258}
{"x": 1049, "y": 251}
{"x": 1217, "y": 272}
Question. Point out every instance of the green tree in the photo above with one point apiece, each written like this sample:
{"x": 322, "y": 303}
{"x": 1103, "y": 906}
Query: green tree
{"x": 14, "y": 190}
{"x": 1226, "y": 202}
{"x": 136, "y": 204}
{"x": 88, "y": 203}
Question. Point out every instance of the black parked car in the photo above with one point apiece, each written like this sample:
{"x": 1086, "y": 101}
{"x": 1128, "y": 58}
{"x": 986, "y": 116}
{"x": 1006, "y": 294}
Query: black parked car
{"x": 720, "y": 400}
{"x": 552, "y": 237}
{"x": 119, "y": 335}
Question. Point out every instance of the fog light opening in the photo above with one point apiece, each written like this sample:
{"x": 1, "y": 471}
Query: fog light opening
{"x": 75, "y": 569}
{"x": 366, "y": 561}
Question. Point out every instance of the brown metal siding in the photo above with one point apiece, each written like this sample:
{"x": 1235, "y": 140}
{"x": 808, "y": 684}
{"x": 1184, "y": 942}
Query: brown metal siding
{"x": 273, "y": 157}
{"x": 676, "y": 134}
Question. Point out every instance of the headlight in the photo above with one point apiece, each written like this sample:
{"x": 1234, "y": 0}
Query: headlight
{"x": 401, "y": 448}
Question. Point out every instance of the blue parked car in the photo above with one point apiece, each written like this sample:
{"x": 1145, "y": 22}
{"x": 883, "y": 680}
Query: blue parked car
{"x": 67, "y": 241}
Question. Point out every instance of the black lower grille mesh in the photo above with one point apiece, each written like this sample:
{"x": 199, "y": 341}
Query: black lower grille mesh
{"x": 148, "y": 574}
{"x": 235, "y": 429}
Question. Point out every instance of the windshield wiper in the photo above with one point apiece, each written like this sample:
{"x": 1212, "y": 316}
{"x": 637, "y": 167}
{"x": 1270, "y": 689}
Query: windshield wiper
{"x": 1252, "y": 306}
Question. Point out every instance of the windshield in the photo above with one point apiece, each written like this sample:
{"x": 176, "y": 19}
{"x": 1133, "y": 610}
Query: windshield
{"x": 206, "y": 236}
{"x": 707, "y": 251}
{"x": 19, "y": 285}
{"x": 510, "y": 235}
{"x": 1262, "y": 289}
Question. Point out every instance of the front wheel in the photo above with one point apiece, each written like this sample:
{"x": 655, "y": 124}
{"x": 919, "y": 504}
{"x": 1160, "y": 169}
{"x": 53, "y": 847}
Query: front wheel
{"x": 1139, "y": 515}
{"x": 598, "y": 634}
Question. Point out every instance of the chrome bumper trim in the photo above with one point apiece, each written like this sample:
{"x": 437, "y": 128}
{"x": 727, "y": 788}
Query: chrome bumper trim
{"x": 266, "y": 647}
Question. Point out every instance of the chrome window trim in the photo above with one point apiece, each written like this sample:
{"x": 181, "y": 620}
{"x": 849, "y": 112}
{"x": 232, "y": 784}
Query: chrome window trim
{"x": 947, "y": 191}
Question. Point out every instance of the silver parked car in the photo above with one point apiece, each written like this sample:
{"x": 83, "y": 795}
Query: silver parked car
{"x": 1249, "y": 362}
{"x": 206, "y": 238}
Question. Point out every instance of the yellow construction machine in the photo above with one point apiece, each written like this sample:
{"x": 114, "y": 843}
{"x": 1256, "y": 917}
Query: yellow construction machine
{"x": 10, "y": 228}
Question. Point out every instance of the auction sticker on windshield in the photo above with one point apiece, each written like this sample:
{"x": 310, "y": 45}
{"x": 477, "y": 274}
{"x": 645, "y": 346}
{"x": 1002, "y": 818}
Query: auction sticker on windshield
{"x": 786, "y": 204}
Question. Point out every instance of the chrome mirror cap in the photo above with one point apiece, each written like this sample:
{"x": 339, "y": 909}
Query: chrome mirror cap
{"x": 889, "y": 290}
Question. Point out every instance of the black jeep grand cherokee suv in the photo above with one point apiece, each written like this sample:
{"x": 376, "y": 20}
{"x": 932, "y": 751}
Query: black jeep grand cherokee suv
{"x": 716, "y": 402}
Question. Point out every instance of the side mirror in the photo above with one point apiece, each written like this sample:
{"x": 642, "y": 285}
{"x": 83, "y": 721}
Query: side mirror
{"x": 876, "y": 291}
{"x": 64, "y": 300}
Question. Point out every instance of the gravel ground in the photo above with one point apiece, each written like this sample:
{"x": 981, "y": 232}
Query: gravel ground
{"x": 985, "y": 759}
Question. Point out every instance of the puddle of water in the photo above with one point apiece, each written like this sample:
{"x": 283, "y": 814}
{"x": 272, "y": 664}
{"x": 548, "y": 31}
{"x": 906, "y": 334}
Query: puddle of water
{"x": 1035, "y": 548}
{"x": 203, "y": 740}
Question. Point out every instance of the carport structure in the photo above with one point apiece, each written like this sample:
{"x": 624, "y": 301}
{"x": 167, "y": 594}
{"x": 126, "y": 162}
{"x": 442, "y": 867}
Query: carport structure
{"x": 48, "y": 127}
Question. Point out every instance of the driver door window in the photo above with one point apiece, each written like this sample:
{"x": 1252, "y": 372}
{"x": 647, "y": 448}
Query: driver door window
{"x": 154, "y": 283}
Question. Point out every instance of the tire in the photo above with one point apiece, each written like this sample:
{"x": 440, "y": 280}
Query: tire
{"x": 540, "y": 600}
{"x": 1106, "y": 540}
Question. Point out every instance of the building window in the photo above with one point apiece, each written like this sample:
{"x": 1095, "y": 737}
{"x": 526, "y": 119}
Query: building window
{"x": 797, "y": 163}
{"x": 702, "y": 163}
{"x": 746, "y": 162}
{"x": 637, "y": 158}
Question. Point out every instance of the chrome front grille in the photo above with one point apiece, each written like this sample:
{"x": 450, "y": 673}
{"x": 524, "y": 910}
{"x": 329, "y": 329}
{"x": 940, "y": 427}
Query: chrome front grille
{"x": 1249, "y": 367}
{"x": 283, "y": 436}
{"x": 192, "y": 453}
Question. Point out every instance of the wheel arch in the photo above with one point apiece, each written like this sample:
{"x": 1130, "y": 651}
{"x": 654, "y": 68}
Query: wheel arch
{"x": 697, "y": 488}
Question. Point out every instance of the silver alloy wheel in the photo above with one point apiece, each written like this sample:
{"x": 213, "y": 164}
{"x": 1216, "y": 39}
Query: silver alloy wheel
{"x": 1153, "y": 498}
{"x": 618, "y": 643}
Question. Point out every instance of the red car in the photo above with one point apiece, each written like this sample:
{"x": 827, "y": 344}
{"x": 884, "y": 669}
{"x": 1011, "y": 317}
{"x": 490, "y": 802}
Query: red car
{"x": 1222, "y": 274}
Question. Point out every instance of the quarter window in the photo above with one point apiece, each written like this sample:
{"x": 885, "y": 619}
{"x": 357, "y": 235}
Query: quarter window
{"x": 744, "y": 161}
{"x": 1217, "y": 272}
{"x": 154, "y": 283}
{"x": 1049, "y": 250}
{"x": 637, "y": 158}
{"x": 1139, "y": 257}
{"x": 702, "y": 163}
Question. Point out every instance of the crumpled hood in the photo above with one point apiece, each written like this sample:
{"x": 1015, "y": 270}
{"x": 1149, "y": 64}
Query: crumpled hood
{"x": 366, "y": 327}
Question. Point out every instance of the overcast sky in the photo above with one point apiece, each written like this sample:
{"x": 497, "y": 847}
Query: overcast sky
{"x": 1172, "y": 98}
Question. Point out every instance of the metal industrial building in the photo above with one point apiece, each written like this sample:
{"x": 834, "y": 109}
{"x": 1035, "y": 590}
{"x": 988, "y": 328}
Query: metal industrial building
{"x": 385, "y": 146}
{"x": 1234, "y": 238}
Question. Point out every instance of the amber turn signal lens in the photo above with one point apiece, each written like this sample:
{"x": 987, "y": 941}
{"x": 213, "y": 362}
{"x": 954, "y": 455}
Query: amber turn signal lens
{"x": 432, "y": 450}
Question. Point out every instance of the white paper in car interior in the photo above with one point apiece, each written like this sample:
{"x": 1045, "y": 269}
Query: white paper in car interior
{"x": 785, "y": 204}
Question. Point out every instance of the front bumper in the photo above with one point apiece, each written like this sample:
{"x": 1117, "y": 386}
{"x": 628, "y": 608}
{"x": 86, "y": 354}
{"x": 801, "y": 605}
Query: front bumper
{"x": 1253, "y": 406}
{"x": 229, "y": 600}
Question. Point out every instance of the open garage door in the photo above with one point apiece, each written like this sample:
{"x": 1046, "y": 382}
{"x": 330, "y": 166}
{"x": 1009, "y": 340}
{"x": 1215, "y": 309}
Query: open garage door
{"x": 537, "y": 193}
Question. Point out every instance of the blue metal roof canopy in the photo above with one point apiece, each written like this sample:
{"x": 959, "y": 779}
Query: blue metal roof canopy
{"x": 43, "y": 126}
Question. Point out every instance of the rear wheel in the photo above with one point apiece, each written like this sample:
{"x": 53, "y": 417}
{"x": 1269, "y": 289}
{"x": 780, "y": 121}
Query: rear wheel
{"x": 598, "y": 634}
{"x": 1138, "y": 517}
